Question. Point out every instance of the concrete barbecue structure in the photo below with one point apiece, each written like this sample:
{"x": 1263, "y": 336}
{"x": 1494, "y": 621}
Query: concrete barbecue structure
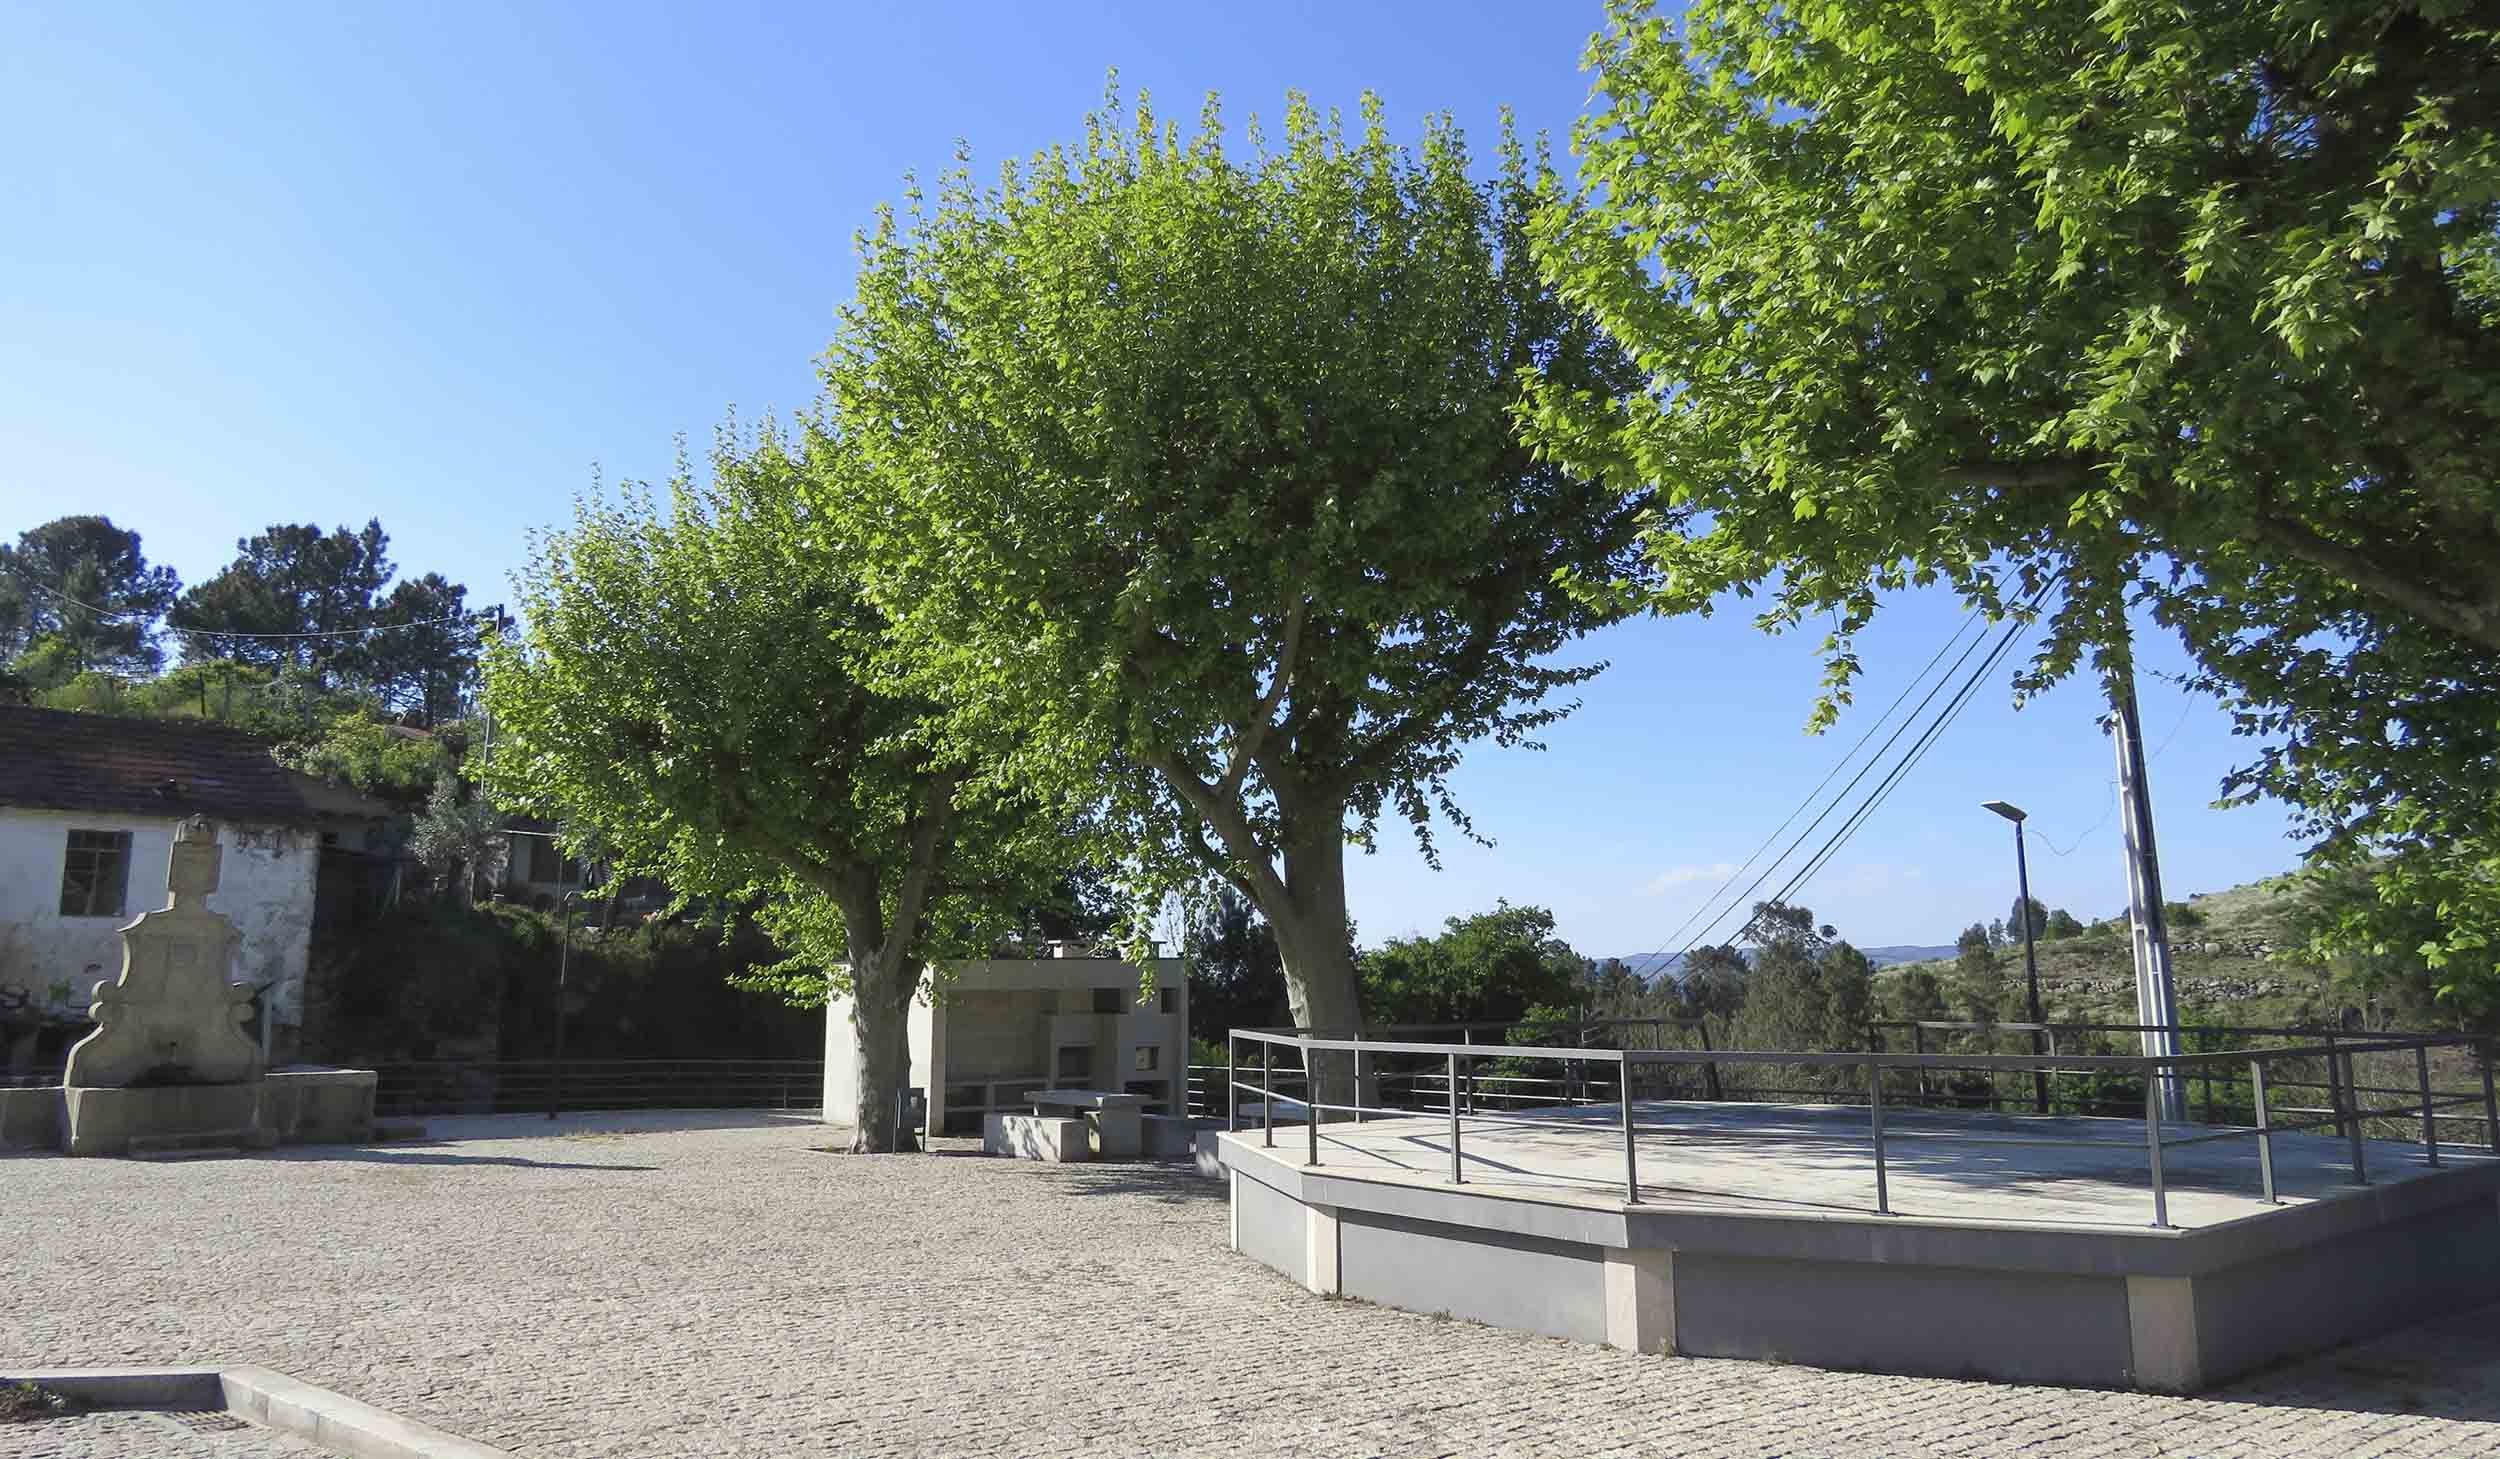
{"x": 999, "y": 1029}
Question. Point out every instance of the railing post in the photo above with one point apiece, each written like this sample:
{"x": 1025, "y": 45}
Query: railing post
{"x": 1918, "y": 1046}
{"x": 2152, "y": 1145}
{"x": 2430, "y": 1121}
{"x": 2491, "y": 1105}
{"x": 2265, "y": 1129}
{"x": 1875, "y": 1117}
{"x": 2352, "y": 1123}
{"x": 1710, "y": 1067}
{"x": 1631, "y": 1158}
{"x": 1455, "y": 1177}
{"x": 1267, "y": 1091}
{"x": 1310, "y": 1105}
{"x": 2205, "y": 1045}
{"x": 1232, "y": 1078}
{"x": 1467, "y": 1035}
{"x": 1358, "y": 1078}
{"x": 2335, "y": 1084}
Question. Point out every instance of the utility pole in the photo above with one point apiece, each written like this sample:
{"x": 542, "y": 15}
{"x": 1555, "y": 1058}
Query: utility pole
{"x": 2156, "y": 997}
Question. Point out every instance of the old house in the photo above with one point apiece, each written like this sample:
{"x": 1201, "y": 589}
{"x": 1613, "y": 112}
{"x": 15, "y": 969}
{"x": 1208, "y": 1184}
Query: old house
{"x": 88, "y": 809}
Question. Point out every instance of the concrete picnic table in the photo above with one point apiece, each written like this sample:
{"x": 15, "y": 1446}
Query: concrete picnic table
{"x": 1115, "y": 1117}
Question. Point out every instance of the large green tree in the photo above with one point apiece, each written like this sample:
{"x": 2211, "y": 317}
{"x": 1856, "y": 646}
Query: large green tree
{"x": 1199, "y": 462}
{"x": 84, "y": 589}
{"x": 693, "y": 691}
{"x": 1489, "y": 968}
{"x": 421, "y": 659}
{"x": 295, "y": 598}
{"x": 2187, "y": 305}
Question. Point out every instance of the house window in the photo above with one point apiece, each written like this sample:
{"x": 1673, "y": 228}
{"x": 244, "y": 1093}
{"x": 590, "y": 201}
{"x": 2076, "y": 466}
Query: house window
{"x": 95, "y": 874}
{"x": 1170, "y": 999}
{"x": 1149, "y": 1058}
{"x": 1110, "y": 1000}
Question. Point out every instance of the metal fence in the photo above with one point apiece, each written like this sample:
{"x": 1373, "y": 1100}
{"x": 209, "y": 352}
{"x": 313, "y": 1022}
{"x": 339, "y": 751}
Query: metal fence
{"x": 1386, "y": 1064}
{"x": 530, "y": 1086}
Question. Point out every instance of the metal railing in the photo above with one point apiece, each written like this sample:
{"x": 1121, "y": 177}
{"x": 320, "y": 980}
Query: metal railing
{"x": 534, "y": 1086}
{"x": 1588, "y": 1080}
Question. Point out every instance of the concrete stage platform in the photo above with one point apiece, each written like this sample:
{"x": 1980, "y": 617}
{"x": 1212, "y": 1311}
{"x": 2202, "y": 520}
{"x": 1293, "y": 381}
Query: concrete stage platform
{"x": 1757, "y": 1235}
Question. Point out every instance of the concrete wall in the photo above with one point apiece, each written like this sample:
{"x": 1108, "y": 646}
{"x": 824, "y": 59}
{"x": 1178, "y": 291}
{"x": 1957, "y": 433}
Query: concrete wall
{"x": 2364, "y": 1281}
{"x": 1268, "y": 1228}
{"x": 1940, "y": 1322}
{"x": 2167, "y": 1311}
{"x": 1527, "y": 1283}
{"x": 265, "y": 886}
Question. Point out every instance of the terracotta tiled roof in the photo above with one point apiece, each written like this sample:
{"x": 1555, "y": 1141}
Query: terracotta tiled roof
{"x": 53, "y": 759}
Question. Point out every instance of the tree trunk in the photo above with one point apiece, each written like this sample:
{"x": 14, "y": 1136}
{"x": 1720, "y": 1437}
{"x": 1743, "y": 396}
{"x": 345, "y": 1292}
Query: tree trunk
{"x": 1311, "y": 934}
{"x": 880, "y": 1054}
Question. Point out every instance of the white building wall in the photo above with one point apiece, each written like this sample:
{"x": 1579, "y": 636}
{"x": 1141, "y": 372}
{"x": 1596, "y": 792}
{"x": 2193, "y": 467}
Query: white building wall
{"x": 265, "y": 885}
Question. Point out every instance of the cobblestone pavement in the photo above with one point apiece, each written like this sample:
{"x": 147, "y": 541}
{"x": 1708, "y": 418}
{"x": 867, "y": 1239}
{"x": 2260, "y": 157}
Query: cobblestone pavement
{"x": 615, "y": 1290}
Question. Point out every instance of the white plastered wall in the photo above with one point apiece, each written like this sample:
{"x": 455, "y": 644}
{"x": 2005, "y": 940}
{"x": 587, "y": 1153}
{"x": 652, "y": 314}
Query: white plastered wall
{"x": 265, "y": 885}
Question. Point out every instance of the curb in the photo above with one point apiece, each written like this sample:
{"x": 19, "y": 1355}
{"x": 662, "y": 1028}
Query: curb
{"x": 265, "y": 1397}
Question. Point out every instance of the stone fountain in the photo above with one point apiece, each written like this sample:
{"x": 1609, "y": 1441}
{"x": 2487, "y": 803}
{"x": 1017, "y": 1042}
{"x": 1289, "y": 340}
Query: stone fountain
{"x": 169, "y": 1066}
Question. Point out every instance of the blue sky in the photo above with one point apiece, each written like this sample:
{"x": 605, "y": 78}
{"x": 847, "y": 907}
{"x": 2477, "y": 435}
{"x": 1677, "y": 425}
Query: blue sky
{"x": 434, "y": 263}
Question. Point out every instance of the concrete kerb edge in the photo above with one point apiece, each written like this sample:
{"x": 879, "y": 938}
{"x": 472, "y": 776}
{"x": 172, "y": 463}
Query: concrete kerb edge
{"x": 266, "y": 1397}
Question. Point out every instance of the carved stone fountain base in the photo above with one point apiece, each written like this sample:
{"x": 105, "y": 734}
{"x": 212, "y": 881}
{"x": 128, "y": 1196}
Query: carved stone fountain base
{"x": 107, "y": 1121}
{"x": 289, "y": 1106}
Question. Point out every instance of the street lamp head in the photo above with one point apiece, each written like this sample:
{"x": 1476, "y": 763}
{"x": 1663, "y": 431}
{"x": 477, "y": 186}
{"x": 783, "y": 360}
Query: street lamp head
{"x": 2010, "y": 812}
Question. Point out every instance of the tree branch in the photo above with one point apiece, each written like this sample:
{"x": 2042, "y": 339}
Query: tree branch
{"x": 1247, "y": 867}
{"x": 1262, "y": 717}
{"x": 2403, "y": 585}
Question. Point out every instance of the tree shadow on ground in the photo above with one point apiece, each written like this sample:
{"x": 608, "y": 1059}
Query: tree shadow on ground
{"x": 355, "y": 1156}
{"x": 2447, "y": 1368}
{"x": 1171, "y": 1182}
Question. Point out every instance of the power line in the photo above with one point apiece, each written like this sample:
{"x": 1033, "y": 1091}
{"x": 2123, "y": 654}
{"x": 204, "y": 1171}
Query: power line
{"x": 1909, "y": 761}
{"x": 1828, "y": 776}
{"x": 2110, "y": 810}
{"x": 119, "y": 616}
{"x": 1875, "y": 798}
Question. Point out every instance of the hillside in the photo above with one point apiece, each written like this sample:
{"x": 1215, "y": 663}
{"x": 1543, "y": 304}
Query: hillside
{"x": 2221, "y": 950}
{"x": 1650, "y": 964}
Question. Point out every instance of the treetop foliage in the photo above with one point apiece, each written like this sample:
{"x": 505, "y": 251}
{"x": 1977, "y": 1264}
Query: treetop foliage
{"x": 1196, "y": 458}
{"x": 83, "y": 588}
{"x": 692, "y": 691}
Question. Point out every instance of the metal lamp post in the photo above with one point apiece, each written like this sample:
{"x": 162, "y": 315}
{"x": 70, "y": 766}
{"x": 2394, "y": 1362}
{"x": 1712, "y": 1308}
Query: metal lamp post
{"x": 2031, "y": 961}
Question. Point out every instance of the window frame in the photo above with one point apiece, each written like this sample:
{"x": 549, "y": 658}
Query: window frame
{"x": 105, "y": 864}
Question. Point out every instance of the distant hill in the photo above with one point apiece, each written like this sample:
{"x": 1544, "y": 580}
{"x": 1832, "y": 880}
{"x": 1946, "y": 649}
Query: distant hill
{"x": 2222, "y": 953}
{"x": 1650, "y": 964}
{"x": 1886, "y": 957}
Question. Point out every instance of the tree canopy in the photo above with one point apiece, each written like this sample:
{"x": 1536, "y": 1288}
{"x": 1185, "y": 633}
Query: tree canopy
{"x": 2188, "y": 307}
{"x": 1492, "y": 967}
{"x": 1197, "y": 464}
{"x": 83, "y": 589}
{"x": 692, "y": 691}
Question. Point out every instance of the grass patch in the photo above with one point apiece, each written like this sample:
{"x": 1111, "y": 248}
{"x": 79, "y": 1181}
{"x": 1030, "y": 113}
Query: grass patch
{"x": 26, "y": 1402}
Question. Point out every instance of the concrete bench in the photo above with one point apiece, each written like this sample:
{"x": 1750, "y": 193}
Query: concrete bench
{"x": 1055, "y": 1138}
{"x": 1171, "y": 1137}
{"x": 1113, "y": 1117}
